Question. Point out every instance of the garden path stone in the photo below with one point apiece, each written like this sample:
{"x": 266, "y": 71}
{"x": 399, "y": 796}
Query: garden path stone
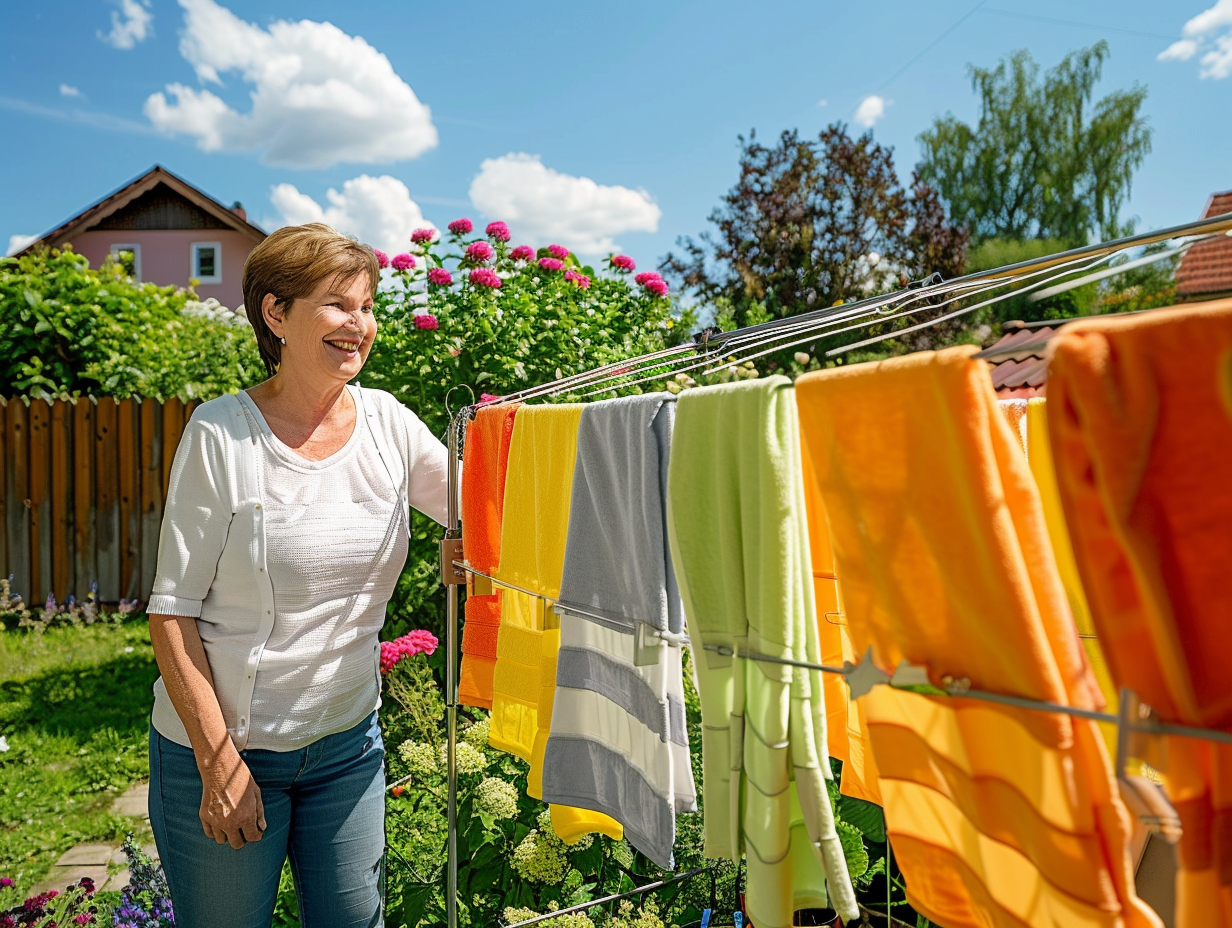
{"x": 135, "y": 802}
{"x": 90, "y": 855}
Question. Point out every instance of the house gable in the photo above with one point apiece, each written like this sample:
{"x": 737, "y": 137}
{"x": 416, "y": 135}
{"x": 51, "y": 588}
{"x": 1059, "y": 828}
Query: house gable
{"x": 161, "y": 208}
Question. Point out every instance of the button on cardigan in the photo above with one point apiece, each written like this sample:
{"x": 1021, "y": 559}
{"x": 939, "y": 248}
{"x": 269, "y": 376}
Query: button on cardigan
{"x": 212, "y": 549}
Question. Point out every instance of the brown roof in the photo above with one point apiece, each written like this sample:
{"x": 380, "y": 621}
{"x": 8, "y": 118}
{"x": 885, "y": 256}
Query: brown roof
{"x": 1206, "y": 269}
{"x": 1020, "y": 374}
{"x": 159, "y": 192}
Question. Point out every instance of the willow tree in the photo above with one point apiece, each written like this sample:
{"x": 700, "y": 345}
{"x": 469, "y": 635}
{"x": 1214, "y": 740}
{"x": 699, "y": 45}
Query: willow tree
{"x": 1046, "y": 158}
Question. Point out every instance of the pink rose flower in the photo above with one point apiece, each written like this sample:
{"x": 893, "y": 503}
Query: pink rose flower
{"x": 402, "y": 262}
{"x": 645, "y": 276}
{"x": 551, "y": 264}
{"x": 523, "y": 253}
{"x": 479, "y": 252}
{"x": 580, "y": 279}
{"x": 461, "y": 226}
{"x": 623, "y": 263}
{"x": 657, "y": 286}
{"x": 485, "y": 277}
{"x": 423, "y": 236}
{"x": 440, "y": 277}
{"x": 426, "y": 321}
{"x": 382, "y": 259}
{"x": 498, "y": 231}
{"x": 558, "y": 251}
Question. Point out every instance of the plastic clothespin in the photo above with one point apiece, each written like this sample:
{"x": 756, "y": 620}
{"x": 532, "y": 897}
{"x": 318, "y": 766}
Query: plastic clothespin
{"x": 738, "y": 919}
{"x": 705, "y": 918}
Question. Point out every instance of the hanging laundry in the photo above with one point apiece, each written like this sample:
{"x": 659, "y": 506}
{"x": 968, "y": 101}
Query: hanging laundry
{"x": 1140, "y": 411}
{"x": 485, "y": 458}
{"x": 739, "y": 542}
{"x": 845, "y": 732}
{"x": 1029, "y": 420}
{"x": 618, "y": 742}
{"x": 997, "y": 816}
{"x": 534, "y": 526}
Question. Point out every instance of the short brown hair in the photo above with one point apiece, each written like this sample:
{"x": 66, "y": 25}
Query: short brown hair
{"x": 290, "y": 264}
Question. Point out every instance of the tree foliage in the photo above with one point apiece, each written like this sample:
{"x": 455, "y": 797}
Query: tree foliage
{"x": 810, "y": 223}
{"x": 72, "y": 330}
{"x": 1046, "y": 159}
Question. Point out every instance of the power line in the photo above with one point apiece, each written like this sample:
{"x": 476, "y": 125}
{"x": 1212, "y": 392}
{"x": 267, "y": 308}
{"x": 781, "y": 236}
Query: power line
{"x": 1070, "y": 22}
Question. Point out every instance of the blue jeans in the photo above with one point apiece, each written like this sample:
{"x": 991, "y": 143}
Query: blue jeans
{"x": 324, "y": 807}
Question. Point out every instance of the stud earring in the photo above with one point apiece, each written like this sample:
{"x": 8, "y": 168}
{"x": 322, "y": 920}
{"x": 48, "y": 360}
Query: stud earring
{"x": 282, "y": 339}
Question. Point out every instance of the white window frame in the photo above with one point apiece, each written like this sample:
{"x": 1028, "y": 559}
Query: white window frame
{"x": 136, "y": 250}
{"x": 194, "y": 250}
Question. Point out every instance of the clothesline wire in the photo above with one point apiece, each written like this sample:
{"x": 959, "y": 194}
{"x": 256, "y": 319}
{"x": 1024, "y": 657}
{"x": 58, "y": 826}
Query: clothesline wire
{"x": 614, "y": 897}
{"x": 959, "y": 689}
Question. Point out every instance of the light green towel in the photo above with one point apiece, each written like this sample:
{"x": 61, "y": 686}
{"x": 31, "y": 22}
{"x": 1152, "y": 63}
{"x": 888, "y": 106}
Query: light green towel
{"x": 739, "y": 541}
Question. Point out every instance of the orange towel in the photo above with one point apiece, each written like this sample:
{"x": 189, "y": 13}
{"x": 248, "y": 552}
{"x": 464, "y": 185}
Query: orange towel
{"x": 845, "y": 734}
{"x": 999, "y": 817}
{"x": 485, "y": 457}
{"x": 1140, "y": 412}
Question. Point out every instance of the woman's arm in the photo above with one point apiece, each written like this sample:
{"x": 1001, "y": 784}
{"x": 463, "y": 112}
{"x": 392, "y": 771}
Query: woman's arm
{"x": 231, "y": 808}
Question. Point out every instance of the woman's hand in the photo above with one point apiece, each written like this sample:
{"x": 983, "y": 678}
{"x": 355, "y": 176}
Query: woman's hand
{"x": 231, "y": 808}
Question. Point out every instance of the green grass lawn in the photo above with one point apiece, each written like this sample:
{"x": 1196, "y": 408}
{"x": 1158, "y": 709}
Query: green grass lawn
{"x": 74, "y": 709}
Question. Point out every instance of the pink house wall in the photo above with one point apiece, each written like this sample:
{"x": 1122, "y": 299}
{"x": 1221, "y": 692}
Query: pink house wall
{"x": 166, "y": 256}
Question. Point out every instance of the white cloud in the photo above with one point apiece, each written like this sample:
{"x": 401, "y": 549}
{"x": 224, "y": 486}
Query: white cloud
{"x": 870, "y": 110}
{"x": 129, "y": 25}
{"x": 68, "y": 90}
{"x": 545, "y": 206}
{"x": 376, "y": 210}
{"x": 823, "y": 102}
{"x": 18, "y": 242}
{"x": 1210, "y": 32}
{"x": 319, "y": 96}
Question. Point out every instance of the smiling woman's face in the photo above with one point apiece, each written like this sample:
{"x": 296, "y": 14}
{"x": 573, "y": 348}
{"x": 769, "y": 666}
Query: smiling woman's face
{"x": 329, "y": 332}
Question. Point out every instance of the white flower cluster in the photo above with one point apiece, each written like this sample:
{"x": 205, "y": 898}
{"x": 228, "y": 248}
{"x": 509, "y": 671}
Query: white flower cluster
{"x": 540, "y": 857}
{"x": 214, "y": 311}
{"x": 497, "y": 797}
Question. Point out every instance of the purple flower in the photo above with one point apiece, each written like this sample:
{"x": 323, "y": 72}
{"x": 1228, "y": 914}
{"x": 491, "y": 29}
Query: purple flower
{"x": 479, "y": 252}
{"x": 558, "y": 251}
{"x": 551, "y": 264}
{"x": 402, "y": 262}
{"x": 440, "y": 277}
{"x": 5, "y": 882}
{"x": 382, "y": 259}
{"x": 580, "y": 279}
{"x": 623, "y": 263}
{"x": 647, "y": 276}
{"x": 423, "y": 236}
{"x": 523, "y": 253}
{"x": 498, "y": 232}
{"x": 426, "y": 321}
{"x": 461, "y": 226}
{"x": 485, "y": 277}
{"x": 657, "y": 286}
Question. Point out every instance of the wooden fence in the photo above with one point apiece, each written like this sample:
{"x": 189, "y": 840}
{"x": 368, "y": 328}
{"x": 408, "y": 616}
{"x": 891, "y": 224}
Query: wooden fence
{"x": 83, "y": 484}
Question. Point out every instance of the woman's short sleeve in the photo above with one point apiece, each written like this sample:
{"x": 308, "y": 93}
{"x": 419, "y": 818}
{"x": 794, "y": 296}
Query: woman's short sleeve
{"x": 196, "y": 520}
{"x": 428, "y": 458}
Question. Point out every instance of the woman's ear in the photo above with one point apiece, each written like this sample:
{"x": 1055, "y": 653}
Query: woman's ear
{"x": 272, "y": 313}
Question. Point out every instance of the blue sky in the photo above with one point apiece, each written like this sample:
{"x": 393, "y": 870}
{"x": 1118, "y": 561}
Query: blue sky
{"x": 596, "y": 125}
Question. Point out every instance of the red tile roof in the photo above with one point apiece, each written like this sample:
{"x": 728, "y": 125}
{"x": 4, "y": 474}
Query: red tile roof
{"x": 1206, "y": 268}
{"x": 1020, "y": 374}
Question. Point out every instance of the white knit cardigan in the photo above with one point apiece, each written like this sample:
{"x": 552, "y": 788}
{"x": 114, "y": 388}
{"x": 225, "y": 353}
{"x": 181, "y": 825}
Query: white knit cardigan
{"x": 211, "y": 552}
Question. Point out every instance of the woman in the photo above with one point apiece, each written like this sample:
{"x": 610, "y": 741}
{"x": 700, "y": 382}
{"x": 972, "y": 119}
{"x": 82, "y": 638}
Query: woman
{"x": 284, "y": 534}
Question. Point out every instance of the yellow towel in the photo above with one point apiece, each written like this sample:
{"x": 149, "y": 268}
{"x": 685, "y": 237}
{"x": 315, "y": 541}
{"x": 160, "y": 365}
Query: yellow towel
{"x": 999, "y": 817}
{"x": 534, "y": 525}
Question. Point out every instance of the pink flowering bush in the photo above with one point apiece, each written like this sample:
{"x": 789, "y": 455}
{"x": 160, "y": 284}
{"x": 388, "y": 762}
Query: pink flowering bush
{"x": 622, "y": 263}
{"x": 426, "y": 321}
{"x": 551, "y": 264}
{"x": 658, "y": 286}
{"x": 580, "y": 280}
{"x": 461, "y": 226}
{"x": 523, "y": 253}
{"x": 410, "y": 644}
{"x": 440, "y": 277}
{"x": 381, "y": 258}
{"x": 558, "y": 251}
{"x": 423, "y": 236}
{"x": 485, "y": 277}
{"x": 479, "y": 252}
{"x": 497, "y": 231}
{"x": 402, "y": 262}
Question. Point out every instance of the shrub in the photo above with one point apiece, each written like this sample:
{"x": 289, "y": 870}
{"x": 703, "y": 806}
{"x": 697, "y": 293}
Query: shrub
{"x": 70, "y": 330}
